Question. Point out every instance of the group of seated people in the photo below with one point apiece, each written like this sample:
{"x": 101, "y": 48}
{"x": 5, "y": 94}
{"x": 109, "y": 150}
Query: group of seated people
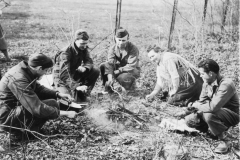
{"x": 211, "y": 100}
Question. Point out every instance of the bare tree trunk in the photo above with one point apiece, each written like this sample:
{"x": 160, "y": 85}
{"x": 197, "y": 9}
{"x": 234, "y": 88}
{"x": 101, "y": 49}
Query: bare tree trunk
{"x": 225, "y": 11}
{"x": 116, "y": 22}
{"x": 203, "y": 23}
{"x": 118, "y": 15}
{"x": 204, "y": 12}
{"x": 172, "y": 24}
{"x": 212, "y": 26}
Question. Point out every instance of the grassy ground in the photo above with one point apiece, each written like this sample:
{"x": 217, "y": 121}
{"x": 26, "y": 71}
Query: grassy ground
{"x": 47, "y": 25}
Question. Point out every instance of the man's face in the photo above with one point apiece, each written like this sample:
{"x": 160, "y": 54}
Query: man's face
{"x": 122, "y": 42}
{"x": 81, "y": 44}
{"x": 40, "y": 72}
{"x": 207, "y": 77}
{"x": 154, "y": 57}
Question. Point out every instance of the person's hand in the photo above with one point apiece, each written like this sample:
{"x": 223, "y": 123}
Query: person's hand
{"x": 192, "y": 109}
{"x": 182, "y": 114}
{"x": 109, "y": 82}
{"x": 81, "y": 69}
{"x": 67, "y": 97}
{"x": 149, "y": 97}
{"x": 82, "y": 88}
{"x": 190, "y": 104}
{"x": 116, "y": 72}
{"x": 195, "y": 104}
{"x": 71, "y": 114}
{"x": 171, "y": 93}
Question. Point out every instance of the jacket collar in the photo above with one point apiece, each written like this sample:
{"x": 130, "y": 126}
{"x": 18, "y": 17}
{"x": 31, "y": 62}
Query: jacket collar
{"x": 76, "y": 49}
{"x": 124, "y": 53}
{"x": 24, "y": 65}
{"x": 217, "y": 81}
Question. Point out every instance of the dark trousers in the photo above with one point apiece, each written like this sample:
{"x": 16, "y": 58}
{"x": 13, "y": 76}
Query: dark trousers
{"x": 19, "y": 117}
{"x": 217, "y": 122}
{"x": 125, "y": 78}
{"x": 220, "y": 121}
{"x": 184, "y": 95}
{"x": 87, "y": 78}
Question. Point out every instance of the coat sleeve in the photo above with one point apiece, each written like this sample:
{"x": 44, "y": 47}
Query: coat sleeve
{"x": 44, "y": 92}
{"x": 111, "y": 56}
{"x": 219, "y": 99}
{"x": 110, "y": 61}
{"x": 87, "y": 60}
{"x": 29, "y": 99}
{"x": 65, "y": 58}
{"x": 173, "y": 71}
{"x": 203, "y": 96}
{"x": 65, "y": 73}
{"x": 132, "y": 60}
{"x": 159, "y": 79}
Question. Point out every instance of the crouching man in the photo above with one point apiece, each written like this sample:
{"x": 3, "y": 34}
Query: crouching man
{"x": 122, "y": 64}
{"x": 218, "y": 105}
{"x": 24, "y": 103}
{"x": 73, "y": 72}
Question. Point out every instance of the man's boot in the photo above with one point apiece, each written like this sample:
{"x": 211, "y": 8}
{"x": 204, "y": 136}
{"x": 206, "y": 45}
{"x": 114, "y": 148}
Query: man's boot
{"x": 224, "y": 146}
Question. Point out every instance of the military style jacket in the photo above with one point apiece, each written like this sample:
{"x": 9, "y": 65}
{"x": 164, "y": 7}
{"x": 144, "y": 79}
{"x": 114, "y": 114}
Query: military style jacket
{"x": 128, "y": 60}
{"x": 67, "y": 62}
{"x": 19, "y": 87}
{"x": 221, "y": 94}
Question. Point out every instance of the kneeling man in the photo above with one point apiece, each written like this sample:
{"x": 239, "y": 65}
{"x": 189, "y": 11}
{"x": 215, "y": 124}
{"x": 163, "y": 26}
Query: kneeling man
{"x": 122, "y": 64}
{"x": 24, "y": 103}
{"x": 73, "y": 72}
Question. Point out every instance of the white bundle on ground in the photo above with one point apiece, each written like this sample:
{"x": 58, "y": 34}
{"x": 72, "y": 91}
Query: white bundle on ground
{"x": 175, "y": 124}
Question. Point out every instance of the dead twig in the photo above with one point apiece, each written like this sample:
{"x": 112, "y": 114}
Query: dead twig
{"x": 214, "y": 155}
{"x": 34, "y": 133}
{"x": 123, "y": 109}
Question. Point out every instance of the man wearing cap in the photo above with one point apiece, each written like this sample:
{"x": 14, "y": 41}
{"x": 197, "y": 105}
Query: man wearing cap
{"x": 122, "y": 64}
{"x": 73, "y": 71}
{"x": 26, "y": 104}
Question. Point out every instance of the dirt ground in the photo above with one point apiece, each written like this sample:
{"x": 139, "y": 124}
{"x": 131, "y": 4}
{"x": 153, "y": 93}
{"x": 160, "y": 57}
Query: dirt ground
{"x": 100, "y": 132}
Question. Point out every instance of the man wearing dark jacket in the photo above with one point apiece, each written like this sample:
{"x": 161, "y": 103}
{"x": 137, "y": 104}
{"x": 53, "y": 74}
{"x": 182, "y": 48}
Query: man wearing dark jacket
{"x": 24, "y": 103}
{"x": 73, "y": 71}
{"x": 122, "y": 64}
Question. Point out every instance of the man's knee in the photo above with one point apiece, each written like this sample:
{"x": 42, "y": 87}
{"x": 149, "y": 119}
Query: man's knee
{"x": 208, "y": 117}
{"x": 126, "y": 80}
{"x": 136, "y": 73}
{"x": 176, "y": 100}
{"x": 95, "y": 73}
{"x": 102, "y": 66}
{"x": 51, "y": 102}
{"x": 63, "y": 89}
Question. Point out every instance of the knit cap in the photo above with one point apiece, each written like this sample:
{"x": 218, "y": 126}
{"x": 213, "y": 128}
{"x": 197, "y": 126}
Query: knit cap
{"x": 81, "y": 34}
{"x": 121, "y": 33}
{"x": 39, "y": 59}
